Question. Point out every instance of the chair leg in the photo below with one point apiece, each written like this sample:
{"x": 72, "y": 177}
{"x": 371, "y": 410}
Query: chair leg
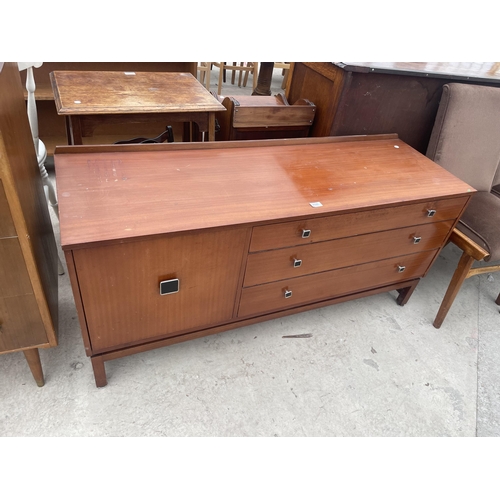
{"x": 463, "y": 268}
{"x": 497, "y": 302}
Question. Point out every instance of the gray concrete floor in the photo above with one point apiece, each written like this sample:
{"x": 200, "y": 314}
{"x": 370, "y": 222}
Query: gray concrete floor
{"x": 369, "y": 368}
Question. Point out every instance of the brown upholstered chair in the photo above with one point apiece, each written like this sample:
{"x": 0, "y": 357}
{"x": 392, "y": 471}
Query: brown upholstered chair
{"x": 466, "y": 141}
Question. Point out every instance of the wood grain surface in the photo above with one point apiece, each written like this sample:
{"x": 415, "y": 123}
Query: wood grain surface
{"x": 113, "y": 196}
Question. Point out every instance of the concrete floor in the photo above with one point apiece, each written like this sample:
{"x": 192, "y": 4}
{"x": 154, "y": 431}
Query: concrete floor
{"x": 369, "y": 368}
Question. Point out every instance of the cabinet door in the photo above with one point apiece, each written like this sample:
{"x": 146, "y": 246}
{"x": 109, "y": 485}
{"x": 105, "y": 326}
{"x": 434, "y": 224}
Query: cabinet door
{"x": 21, "y": 325}
{"x": 120, "y": 286}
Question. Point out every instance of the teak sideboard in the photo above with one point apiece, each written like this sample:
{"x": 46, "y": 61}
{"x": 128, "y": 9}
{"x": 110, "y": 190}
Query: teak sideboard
{"x": 171, "y": 242}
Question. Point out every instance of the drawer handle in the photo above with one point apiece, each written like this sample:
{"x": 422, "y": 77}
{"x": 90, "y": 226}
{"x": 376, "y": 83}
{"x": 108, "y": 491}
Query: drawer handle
{"x": 169, "y": 286}
{"x": 288, "y": 294}
{"x": 306, "y": 233}
{"x": 416, "y": 239}
{"x": 297, "y": 262}
{"x": 431, "y": 212}
{"x": 401, "y": 269}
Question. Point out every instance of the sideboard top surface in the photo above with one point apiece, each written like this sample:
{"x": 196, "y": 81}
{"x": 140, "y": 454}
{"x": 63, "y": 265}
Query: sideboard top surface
{"x": 107, "y": 196}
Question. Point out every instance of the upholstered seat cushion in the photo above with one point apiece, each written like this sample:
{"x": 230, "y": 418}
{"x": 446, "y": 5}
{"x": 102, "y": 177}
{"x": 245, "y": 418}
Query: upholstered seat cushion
{"x": 481, "y": 223}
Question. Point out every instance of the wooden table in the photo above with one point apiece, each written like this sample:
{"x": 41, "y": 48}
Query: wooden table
{"x": 187, "y": 245}
{"x": 92, "y": 98}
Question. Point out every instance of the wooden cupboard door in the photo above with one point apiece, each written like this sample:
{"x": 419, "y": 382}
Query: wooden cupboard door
{"x": 21, "y": 325}
{"x": 7, "y": 228}
{"x": 120, "y": 285}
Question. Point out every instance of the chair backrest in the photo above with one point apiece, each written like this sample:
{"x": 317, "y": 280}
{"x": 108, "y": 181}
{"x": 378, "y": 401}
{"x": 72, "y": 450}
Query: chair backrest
{"x": 466, "y": 135}
{"x": 31, "y": 104}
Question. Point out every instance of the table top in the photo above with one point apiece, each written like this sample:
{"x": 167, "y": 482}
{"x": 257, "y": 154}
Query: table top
{"x": 472, "y": 71}
{"x": 119, "y": 92}
{"x": 105, "y": 196}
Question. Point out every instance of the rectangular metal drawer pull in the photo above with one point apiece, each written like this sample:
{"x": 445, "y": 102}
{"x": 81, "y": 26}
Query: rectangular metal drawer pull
{"x": 431, "y": 212}
{"x": 306, "y": 233}
{"x": 416, "y": 239}
{"x": 288, "y": 294}
{"x": 297, "y": 262}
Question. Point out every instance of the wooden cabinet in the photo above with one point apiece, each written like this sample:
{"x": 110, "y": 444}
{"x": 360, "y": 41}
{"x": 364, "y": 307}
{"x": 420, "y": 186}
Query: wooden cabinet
{"x": 381, "y": 97}
{"x": 241, "y": 232}
{"x": 28, "y": 254}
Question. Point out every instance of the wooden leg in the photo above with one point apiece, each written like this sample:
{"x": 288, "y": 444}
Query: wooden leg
{"x": 463, "y": 268}
{"x": 211, "y": 127}
{"x": 75, "y": 130}
{"x": 405, "y": 293}
{"x": 99, "y": 371}
{"x": 33, "y": 358}
{"x": 498, "y": 300}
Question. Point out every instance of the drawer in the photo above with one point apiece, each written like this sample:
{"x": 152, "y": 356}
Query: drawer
{"x": 340, "y": 226}
{"x": 274, "y": 265}
{"x": 7, "y": 228}
{"x": 306, "y": 289}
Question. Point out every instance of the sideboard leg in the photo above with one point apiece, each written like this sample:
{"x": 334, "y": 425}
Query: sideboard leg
{"x": 33, "y": 358}
{"x": 405, "y": 293}
{"x": 99, "y": 371}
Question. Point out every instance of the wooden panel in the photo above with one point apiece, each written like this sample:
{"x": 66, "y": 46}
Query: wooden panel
{"x": 14, "y": 278}
{"x": 6, "y": 223}
{"x": 24, "y": 191}
{"x": 288, "y": 116}
{"x": 271, "y": 297}
{"x": 339, "y": 226}
{"x": 21, "y": 325}
{"x": 103, "y": 197}
{"x": 322, "y": 84}
{"x": 273, "y": 265}
{"x": 120, "y": 285}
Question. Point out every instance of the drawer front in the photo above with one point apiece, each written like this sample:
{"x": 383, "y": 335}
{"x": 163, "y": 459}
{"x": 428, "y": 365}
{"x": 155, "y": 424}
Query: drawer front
{"x": 274, "y": 265}
{"x": 7, "y": 228}
{"x": 120, "y": 286}
{"x": 271, "y": 297}
{"x": 340, "y": 226}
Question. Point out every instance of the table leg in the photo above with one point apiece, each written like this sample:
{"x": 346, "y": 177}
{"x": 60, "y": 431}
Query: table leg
{"x": 99, "y": 371}
{"x": 33, "y": 358}
{"x": 75, "y": 131}
{"x": 211, "y": 126}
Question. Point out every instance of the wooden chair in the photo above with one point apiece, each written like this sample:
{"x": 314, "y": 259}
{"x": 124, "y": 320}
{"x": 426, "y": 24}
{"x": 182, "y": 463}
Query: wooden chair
{"x": 285, "y": 67}
{"x": 264, "y": 117}
{"x": 40, "y": 149}
{"x": 244, "y": 68}
{"x": 465, "y": 141}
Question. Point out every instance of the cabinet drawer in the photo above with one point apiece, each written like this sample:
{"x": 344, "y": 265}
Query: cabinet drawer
{"x": 306, "y": 289}
{"x": 274, "y": 265}
{"x": 340, "y": 226}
